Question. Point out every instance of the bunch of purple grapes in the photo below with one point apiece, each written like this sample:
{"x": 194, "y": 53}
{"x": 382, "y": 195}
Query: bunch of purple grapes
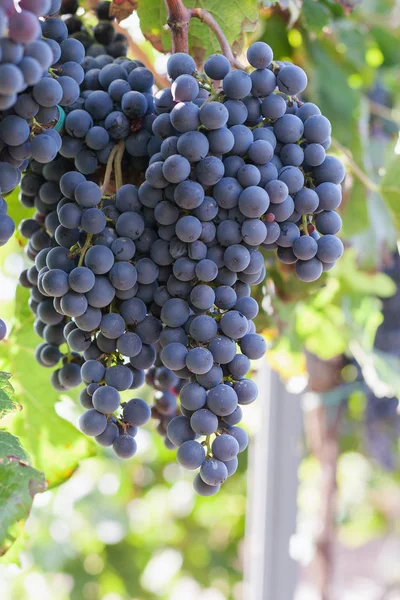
{"x": 153, "y": 281}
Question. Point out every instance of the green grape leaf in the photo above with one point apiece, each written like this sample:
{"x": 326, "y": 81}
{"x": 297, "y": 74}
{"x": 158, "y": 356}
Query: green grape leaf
{"x": 8, "y": 403}
{"x": 315, "y": 15}
{"x": 19, "y": 482}
{"x": 10, "y": 447}
{"x": 235, "y": 18}
{"x": 54, "y": 444}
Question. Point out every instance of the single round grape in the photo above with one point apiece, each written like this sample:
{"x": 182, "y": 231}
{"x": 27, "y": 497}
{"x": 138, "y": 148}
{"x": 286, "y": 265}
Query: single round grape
{"x": 73, "y": 304}
{"x": 288, "y": 129}
{"x": 305, "y": 247}
{"x": 130, "y": 225}
{"x": 191, "y": 455}
{"x": 288, "y": 235}
{"x": 203, "y": 489}
{"x": 180, "y": 431}
{"x": 292, "y": 80}
{"x": 199, "y": 360}
{"x": 203, "y": 328}
{"x": 223, "y": 349}
{"x": 125, "y": 446}
{"x": 213, "y": 472}
{"x": 55, "y": 283}
{"x": 217, "y": 67}
{"x": 253, "y": 202}
{"x": 109, "y": 435}
{"x": 306, "y": 110}
{"x": 203, "y": 422}
{"x": 102, "y": 293}
{"x": 248, "y": 175}
{"x": 202, "y": 297}
{"x": 222, "y": 400}
{"x": 241, "y": 437}
{"x": 243, "y": 139}
{"x": 193, "y": 396}
{"x": 331, "y": 170}
{"x": 273, "y": 107}
{"x": 260, "y": 55}
{"x": 328, "y": 222}
{"x": 180, "y": 63}
{"x": 225, "y": 447}
{"x": 309, "y": 270}
{"x": 184, "y": 88}
{"x": 253, "y": 346}
{"x": 317, "y": 129}
{"x": 246, "y": 391}
{"x": 119, "y": 377}
{"x": 306, "y": 201}
{"x": 237, "y": 85}
{"x": 263, "y": 84}
{"x": 81, "y": 280}
{"x": 136, "y": 412}
{"x": 239, "y": 366}
{"x": 92, "y": 371}
{"x": 329, "y": 248}
{"x": 92, "y": 422}
{"x": 209, "y": 170}
{"x": 184, "y": 117}
{"x": 123, "y": 275}
{"x": 330, "y": 196}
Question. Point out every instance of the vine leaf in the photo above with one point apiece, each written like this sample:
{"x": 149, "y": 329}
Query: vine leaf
{"x": 234, "y": 16}
{"x": 316, "y": 16}
{"x": 8, "y": 404}
{"x": 122, "y": 9}
{"x": 54, "y": 444}
{"x": 19, "y": 481}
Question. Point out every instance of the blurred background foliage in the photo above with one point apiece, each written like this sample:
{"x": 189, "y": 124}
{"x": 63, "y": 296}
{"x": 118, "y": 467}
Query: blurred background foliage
{"x": 135, "y": 531}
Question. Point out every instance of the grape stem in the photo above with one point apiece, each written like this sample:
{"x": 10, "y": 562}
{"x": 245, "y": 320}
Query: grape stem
{"x": 109, "y": 169}
{"x": 85, "y": 248}
{"x": 178, "y": 19}
{"x": 208, "y": 445}
{"x": 117, "y": 165}
{"x": 304, "y": 224}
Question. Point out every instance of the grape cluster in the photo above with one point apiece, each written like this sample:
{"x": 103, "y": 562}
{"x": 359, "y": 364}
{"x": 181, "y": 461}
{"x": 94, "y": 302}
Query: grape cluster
{"x": 115, "y": 104}
{"x": 101, "y": 39}
{"x": 38, "y": 79}
{"x": 148, "y": 277}
{"x": 81, "y": 272}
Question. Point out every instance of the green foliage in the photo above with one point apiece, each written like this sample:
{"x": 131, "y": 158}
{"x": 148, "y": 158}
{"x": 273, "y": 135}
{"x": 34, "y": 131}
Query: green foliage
{"x": 315, "y": 15}
{"x": 7, "y": 400}
{"x": 235, "y": 18}
{"x": 55, "y": 445}
{"x": 19, "y": 481}
{"x": 329, "y": 319}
